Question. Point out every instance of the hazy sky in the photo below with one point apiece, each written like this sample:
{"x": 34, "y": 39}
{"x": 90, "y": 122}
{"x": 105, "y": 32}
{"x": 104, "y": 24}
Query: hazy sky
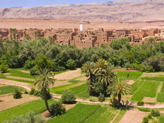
{"x": 32, "y": 3}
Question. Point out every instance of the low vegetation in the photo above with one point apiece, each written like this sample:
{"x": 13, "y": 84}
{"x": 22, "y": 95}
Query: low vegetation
{"x": 8, "y": 89}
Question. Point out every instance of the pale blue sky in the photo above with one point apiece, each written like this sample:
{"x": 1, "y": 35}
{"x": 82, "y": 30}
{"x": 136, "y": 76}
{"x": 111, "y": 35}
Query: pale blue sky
{"x": 32, "y": 3}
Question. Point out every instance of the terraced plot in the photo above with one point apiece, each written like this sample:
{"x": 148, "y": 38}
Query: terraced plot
{"x": 130, "y": 75}
{"x": 88, "y": 114}
{"x": 37, "y": 106}
{"x": 8, "y": 89}
{"x": 147, "y": 89}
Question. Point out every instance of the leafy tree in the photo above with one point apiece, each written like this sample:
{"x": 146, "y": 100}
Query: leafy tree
{"x": 71, "y": 64}
{"x": 43, "y": 82}
{"x": 43, "y": 62}
{"x": 50, "y": 40}
{"x": 3, "y": 68}
{"x": 27, "y": 37}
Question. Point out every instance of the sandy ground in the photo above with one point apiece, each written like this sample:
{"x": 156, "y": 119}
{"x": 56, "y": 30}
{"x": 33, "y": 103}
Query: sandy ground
{"x": 130, "y": 82}
{"x": 153, "y": 74}
{"x": 1, "y": 85}
{"x": 11, "y": 82}
{"x": 59, "y": 83}
{"x": 21, "y": 78}
{"x": 8, "y": 101}
{"x": 47, "y": 116}
{"x": 149, "y": 99}
{"x": 133, "y": 116}
{"x": 25, "y": 71}
{"x": 68, "y": 75}
{"x": 124, "y": 69}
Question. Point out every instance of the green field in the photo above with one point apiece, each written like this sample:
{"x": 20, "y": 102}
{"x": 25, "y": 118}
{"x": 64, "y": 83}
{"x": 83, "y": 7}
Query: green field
{"x": 8, "y": 89}
{"x": 153, "y": 78}
{"x": 161, "y": 119}
{"x": 60, "y": 89}
{"x": 133, "y": 75}
{"x": 88, "y": 114}
{"x": 147, "y": 89}
{"x": 81, "y": 91}
{"x": 20, "y": 80}
{"x": 18, "y": 73}
{"x": 37, "y": 106}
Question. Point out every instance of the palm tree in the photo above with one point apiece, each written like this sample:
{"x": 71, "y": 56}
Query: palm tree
{"x": 14, "y": 32}
{"x": 118, "y": 88}
{"x": 1, "y": 40}
{"x": 151, "y": 43}
{"x": 50, "y": 39}
{"x": 43, "y": 82}
{"x": 36, "y": 34}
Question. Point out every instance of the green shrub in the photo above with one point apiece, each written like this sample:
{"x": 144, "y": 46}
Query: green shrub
{"x": 140, "y": 103}
{"x": 155, "y": 112}
{"x": 29, "y": 64}
{"x": 17, "y": 93}
{"x": 71, "y": 64}
{"x": 149, "y": 116}
{"x": 68, "y": 97}
{"x": 4, "y": 68}
{"x": 32, "y": 91}
{"x": 33, "y": 71}
{"x": 101, "y": 97}
{"x": 145, "y": 120}
{"x": 57, "y": 109}
{"x": 37, "y": 93}
{"x": 27, "y": 118}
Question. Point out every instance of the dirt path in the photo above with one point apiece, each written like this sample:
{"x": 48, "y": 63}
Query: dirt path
{"x": 8, "y": 101}
{"x": 59, "y": 83}
{"x": 130, "y": 82}
{"x": 27, "y": 86}
{"x": 124, "y": 69}
{"x": 68, "y": 74}
{"x": 133, "y": 116}
{"x": 21, "y": 78}
{"x": 25, "y": 71}
{"x": 157, "y": 74}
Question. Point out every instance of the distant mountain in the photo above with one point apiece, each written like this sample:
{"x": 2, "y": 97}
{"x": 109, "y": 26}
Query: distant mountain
{"x": 123, "y": 10}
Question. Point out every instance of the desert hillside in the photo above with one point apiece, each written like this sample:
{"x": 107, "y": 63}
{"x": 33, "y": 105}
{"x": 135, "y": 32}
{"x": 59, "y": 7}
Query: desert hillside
{"x": 144, "y": 10}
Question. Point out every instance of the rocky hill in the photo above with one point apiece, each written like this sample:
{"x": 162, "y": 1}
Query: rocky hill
{"x": 124, "y": 11}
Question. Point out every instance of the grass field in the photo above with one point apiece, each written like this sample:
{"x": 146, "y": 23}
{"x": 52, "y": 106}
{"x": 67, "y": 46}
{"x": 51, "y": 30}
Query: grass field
{"x": 37, "y": 106}
{"x": 88, "y": 114}
{"x": 136, "y": 85}
{"x": 18, "y": 73}
{"x": 147, "y": 89}
{"x": 60, "y": 89}
{"x": 133, "y": 75}
{"x": 19, "y": 80}
{"x": 161, "y": 119}
{"x": 81, "y": 91}
{"x": 153, "y": 78}
{"x": 8, "y": 89}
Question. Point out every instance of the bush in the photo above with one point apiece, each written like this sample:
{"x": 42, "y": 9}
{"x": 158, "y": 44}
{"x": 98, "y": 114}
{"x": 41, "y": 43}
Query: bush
{"x": 37, "y": 93}
{"x": 101, "y": 97}
{"x": 57, "y": 109}
{"x": 149, "y": 116}
{"x": 127, "y": 65}
{"x": 140, "y": 103}
{"x": 29, "y": 64}
{"x": 145, "y": 120}
{"x": 33, "y": 71}
{"x": 4, "y": 68}
{"x": 71, "y": 64}
{"x": 32, "y": 91}
{"x": 68, "y": 97}
{"x": 17, "y": 94}
{"x": 155, "y": 112}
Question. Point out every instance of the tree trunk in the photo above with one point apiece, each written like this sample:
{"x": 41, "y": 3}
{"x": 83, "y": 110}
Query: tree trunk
{"x": 119, "y": 98}
{"x": 45, "y": 99}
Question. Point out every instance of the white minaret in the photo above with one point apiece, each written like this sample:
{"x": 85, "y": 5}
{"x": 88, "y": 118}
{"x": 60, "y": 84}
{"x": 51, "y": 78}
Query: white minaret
{"x": 81, "y": 26}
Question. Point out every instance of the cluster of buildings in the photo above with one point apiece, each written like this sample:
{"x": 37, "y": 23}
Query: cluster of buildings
{"x": 85, "y": 38}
